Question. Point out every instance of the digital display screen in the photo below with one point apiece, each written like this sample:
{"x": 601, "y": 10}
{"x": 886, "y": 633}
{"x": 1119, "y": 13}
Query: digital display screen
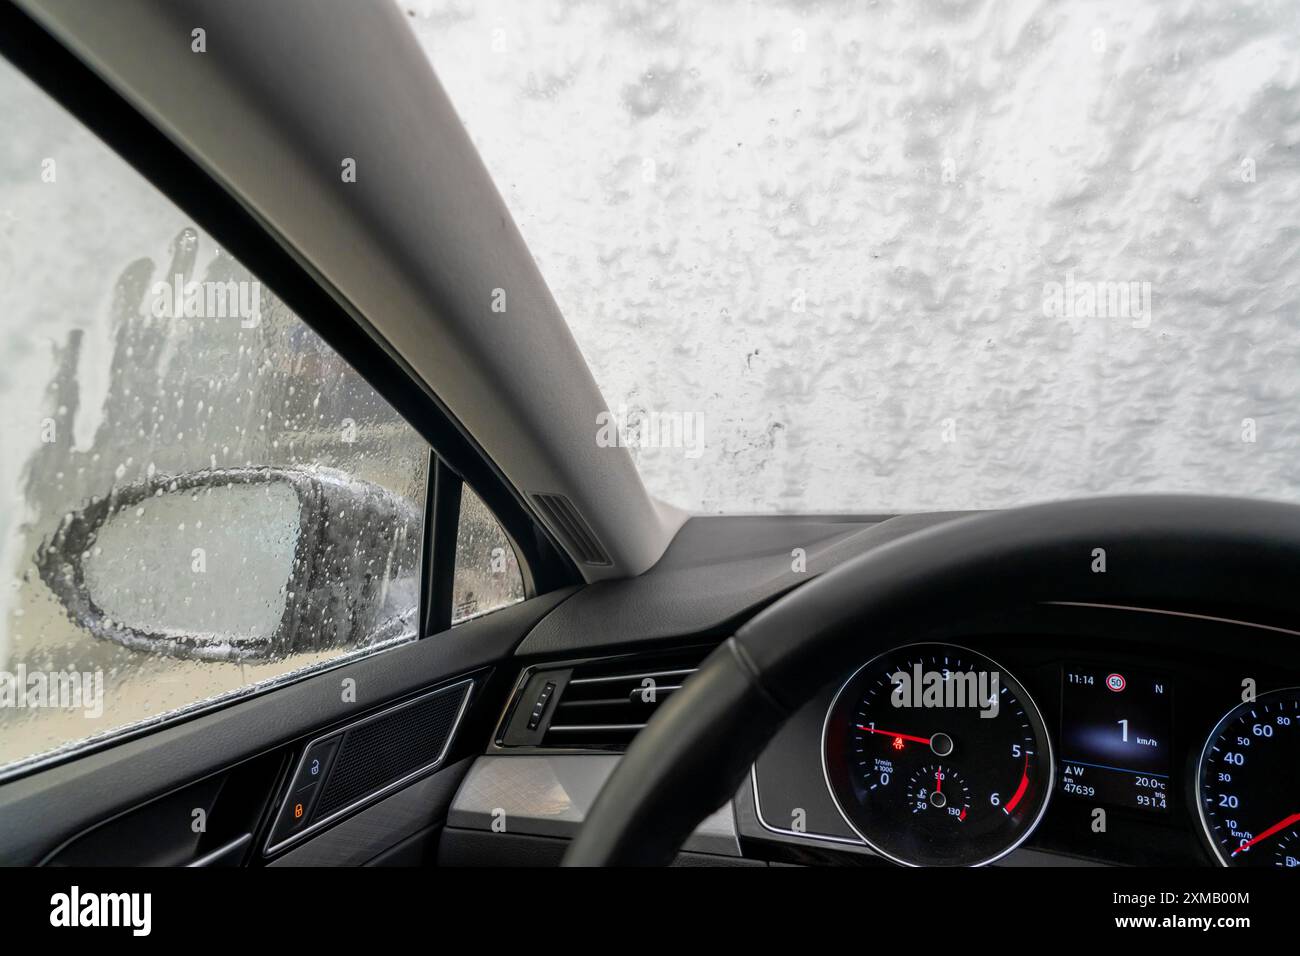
{"x": 1115, "y": 728}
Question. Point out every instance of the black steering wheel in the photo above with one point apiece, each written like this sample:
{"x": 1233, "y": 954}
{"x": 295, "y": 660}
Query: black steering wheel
{"x": 1163, "y": 552}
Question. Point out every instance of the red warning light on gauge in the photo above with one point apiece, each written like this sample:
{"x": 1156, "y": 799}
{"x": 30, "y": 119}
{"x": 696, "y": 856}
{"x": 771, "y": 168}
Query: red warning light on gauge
{"x": 1116, "y": 682}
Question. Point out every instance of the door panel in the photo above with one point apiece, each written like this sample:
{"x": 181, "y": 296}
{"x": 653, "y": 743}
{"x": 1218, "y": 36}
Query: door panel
{"x": 415, "y": 813}
{"x": 46, "y": 809}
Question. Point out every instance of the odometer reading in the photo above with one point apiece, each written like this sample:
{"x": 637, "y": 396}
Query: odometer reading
{"x": 1249, "y": 783}
{"x": 937, "y": 756}
{"x": 1115, "y": 737}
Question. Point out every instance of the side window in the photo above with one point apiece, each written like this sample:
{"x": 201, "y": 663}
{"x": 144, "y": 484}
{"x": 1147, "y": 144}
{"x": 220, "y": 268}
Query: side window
{"x": 487, "y": 570}
{"x": 200, "y": 496}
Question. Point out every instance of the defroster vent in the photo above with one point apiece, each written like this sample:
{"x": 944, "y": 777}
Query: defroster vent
{"x": 564, "y": 519}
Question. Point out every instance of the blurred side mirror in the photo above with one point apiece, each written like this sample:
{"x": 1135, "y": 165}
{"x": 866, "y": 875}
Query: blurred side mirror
{"x": 239, "y": 564}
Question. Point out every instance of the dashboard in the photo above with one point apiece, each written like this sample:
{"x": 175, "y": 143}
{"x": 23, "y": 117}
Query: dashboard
{"x": 1066, "y": 734}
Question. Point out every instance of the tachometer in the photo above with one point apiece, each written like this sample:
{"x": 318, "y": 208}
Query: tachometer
{"x": 1248, "y": 782}
{"x": 936, "y": 756}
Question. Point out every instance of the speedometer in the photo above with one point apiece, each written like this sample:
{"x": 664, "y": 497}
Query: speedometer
{"x": 936, "y": 756}
{"x": 1248, "y": 782}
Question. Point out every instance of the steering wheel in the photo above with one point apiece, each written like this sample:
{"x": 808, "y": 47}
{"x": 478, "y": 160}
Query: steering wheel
{"x": 1163, "y": 552}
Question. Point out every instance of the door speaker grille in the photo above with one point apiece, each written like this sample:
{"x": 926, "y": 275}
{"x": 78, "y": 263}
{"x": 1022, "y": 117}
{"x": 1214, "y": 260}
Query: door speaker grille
{"x": 381, "y": 751}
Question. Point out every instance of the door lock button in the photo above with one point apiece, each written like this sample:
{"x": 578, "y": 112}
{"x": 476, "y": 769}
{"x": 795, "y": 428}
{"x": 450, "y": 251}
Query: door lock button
{"x": 316, "y": 762}
{"x": 296, "y": 812}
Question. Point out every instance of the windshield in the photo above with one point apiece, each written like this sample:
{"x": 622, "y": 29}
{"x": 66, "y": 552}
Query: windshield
{"x": 838, "y": 257}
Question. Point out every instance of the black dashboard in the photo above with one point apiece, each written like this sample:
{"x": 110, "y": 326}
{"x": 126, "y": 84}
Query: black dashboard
{"x": 1143, "y": 736}
{"x": 1127, "y": 737}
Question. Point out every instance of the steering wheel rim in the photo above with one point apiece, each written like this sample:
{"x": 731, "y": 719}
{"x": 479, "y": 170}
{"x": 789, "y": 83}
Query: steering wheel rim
{"x": 1160, "y": 552}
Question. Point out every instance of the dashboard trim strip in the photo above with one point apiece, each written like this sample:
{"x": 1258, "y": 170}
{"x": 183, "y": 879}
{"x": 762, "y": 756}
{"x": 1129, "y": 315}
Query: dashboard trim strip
{"x": 1186, "y": 614}
{"x": 811, "y": 837}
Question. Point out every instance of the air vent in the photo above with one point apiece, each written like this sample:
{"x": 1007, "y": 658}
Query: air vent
{"x": 604, "y": 704}
{"x": 567, "y": 523}
{"x": 594, "y": 705}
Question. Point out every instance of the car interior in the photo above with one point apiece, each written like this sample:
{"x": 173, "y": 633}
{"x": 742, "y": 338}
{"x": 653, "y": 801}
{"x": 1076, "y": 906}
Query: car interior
{"x": 329, "y": 541}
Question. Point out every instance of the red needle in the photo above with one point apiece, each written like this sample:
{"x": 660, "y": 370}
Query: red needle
{"x": 890, "y": 733}
{"x": 938, "y": 780}
{"x": 1280, "y": 825}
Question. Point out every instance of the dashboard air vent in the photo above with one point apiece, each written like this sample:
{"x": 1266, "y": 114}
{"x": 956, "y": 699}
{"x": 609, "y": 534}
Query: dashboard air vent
{"x": 595, "y": 705}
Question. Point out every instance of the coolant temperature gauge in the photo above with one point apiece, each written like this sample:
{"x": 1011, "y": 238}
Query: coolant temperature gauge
{"x": 939, "y": 790}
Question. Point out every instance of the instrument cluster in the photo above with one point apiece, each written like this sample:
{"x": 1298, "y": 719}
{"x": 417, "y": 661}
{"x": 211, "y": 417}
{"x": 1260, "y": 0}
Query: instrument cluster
{"x": 1099, "y": 747}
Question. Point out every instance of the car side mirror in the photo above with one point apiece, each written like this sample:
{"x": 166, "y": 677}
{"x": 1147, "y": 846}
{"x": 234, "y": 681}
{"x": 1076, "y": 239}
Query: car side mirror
{"x": 239, "y": 564}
